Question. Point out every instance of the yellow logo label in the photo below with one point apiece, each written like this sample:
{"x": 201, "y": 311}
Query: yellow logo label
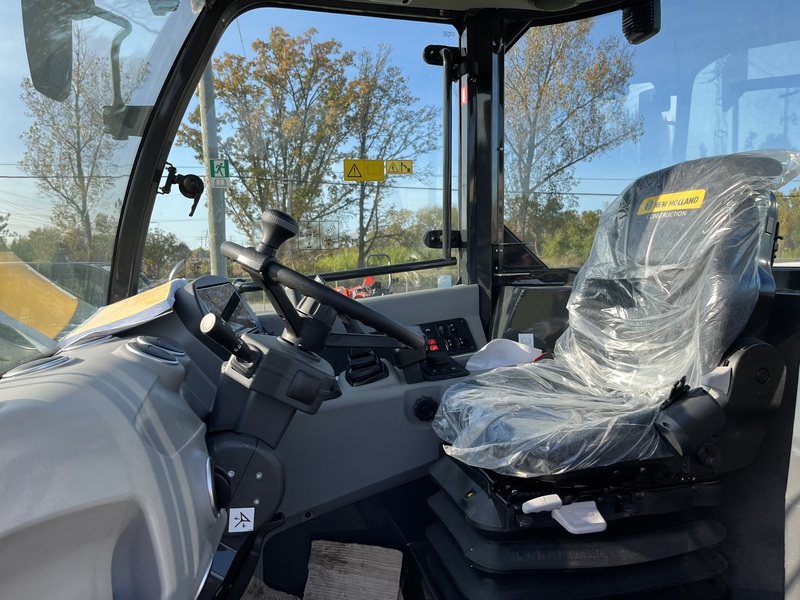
{"x": 688, "y": 200}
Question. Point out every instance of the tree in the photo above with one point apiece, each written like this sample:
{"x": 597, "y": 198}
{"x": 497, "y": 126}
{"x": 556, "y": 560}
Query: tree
{"x": 162, "y": 251}
{"x": 570, "y": 243}
{"x": 67, "y": 150}
{"x": 291, "y": 111}
{"x": 287, "y": 109}
{"x": 563, "y": 105}
{"x": 59, "y": 244}
{"x": 386, "y": 123}
{"x": 423, "y": 220}
{"x": 789, "y": 219}
{"x": 104, "y": 233}
{"x": 3, "y": 229}
{"x": 42, "y": 244}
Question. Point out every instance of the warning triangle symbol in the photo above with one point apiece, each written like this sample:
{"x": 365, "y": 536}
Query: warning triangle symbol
{"x": 393, "y": 167}
{"x": 354, "y": 172}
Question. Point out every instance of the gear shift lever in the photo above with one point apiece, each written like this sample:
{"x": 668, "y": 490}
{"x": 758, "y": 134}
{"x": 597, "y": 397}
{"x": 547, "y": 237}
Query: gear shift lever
{"x": 278, "y": 227}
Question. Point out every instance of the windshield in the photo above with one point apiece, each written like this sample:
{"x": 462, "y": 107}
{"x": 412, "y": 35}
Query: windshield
{"x": 68, "y": 148}
{"x": 343, "y": 130}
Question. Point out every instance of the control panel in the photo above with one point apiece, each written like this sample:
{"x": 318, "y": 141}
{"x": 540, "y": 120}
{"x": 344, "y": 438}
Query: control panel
{"x": 452, "y": 336}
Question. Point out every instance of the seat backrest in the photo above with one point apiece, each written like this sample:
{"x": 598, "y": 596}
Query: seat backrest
{"x": 677, "y": 266}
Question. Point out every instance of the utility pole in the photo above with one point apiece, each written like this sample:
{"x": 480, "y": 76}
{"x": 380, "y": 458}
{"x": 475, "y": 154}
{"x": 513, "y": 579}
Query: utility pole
{"x": 785, "y": 120}
{"x": 215, "y": 196}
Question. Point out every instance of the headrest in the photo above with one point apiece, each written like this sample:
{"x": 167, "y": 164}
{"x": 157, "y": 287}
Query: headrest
{"x": 676, "y": 270}
{"x": 669, "y": 217}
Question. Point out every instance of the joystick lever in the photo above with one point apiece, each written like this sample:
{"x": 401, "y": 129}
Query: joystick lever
{"x": 277, "y": 227}
{"x": 219, "y": 331}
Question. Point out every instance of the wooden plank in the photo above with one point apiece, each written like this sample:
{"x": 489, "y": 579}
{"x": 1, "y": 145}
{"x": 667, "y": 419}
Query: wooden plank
{"x": 339, "y": 571}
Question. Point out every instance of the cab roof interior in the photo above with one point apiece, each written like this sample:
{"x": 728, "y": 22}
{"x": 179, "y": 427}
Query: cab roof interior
{"x": 527, "y": 12}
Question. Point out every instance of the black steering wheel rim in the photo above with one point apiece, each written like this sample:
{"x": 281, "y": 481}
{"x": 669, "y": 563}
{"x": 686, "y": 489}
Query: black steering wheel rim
{"x": 273, "y": 273}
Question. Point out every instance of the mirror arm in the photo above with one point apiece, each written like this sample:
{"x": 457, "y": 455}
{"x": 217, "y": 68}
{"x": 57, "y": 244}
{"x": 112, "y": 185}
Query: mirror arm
{"x": 125, "y": 30}
{"x": 120, "y": 119}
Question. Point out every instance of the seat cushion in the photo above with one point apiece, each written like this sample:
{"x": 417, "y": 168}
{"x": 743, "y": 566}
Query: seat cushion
{"x": 544, "y": 418}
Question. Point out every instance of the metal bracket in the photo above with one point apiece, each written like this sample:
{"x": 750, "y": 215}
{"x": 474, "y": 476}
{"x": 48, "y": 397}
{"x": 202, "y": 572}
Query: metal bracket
{"x": 433, "y": 239}
{"x": 432, "y": 55}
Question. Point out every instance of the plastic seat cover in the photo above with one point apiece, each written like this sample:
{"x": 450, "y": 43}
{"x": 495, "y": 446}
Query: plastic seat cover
{"x": 678, "y": 262}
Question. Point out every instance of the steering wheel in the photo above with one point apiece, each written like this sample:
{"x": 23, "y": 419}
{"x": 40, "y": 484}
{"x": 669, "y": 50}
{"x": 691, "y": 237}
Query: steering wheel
{"x": 261, "y": 264}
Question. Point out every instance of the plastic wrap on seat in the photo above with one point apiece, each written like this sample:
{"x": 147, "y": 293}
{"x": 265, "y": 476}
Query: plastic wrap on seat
{"x": 676, "y": 269}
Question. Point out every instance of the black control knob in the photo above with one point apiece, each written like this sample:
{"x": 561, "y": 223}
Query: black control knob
{"x": 219, "y": 331}
{"x": 277, "y": 227}
{"x": 425, "y": 408}
{"x": 438, "y": 359}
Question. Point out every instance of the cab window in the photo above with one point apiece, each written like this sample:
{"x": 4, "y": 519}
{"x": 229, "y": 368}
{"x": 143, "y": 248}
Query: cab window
{"x": 582, "y": 125}
{"x": 333, "y": 119}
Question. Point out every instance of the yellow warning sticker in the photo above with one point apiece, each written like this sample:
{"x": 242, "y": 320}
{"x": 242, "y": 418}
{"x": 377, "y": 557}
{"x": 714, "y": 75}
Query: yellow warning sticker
{"x": 688, "y": 200}
{"x": 399, "y": 167}
{"x": 363, "y": 170}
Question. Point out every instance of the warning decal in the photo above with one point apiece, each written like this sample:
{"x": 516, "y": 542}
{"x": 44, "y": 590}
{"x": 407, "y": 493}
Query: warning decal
{"x": 241, "y": 519}
{"x": 354, "y": 172}
{"x": 399, "y": 167}
{"x": 363, "y": 170}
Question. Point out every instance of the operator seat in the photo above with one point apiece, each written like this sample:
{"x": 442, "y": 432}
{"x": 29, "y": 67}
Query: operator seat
{"x": 661, "y": 383}
{"x": 679, "y": 274}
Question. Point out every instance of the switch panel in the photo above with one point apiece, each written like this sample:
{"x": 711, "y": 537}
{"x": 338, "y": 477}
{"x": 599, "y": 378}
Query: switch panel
{"x": 452, "y": 336}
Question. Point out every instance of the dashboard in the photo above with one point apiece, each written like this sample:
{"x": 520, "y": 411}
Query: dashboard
{"x": 446, "y": 338}
{"x": 126, "y": 425}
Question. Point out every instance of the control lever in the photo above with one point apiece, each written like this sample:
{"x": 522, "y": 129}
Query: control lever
{"x": 277, "y": 227}
{"x": 219, "y": 331}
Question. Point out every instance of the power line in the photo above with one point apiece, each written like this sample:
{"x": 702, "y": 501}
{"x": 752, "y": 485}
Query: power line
{"x": 55, "y": 176}
{"x": 241, "y": 40}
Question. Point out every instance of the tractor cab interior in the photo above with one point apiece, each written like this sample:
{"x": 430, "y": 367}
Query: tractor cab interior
{"x": 328, "y": 237}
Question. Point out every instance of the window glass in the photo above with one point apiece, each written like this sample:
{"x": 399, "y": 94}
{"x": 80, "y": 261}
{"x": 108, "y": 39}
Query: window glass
{"x": 583, "y": 124}
{"x": 334, "y": 119}
{"x": 71, "y": 110}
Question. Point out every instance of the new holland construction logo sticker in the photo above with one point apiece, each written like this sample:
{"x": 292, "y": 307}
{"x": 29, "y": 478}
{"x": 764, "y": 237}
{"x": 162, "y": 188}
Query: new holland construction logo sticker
{"x": 688, "y": 200}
